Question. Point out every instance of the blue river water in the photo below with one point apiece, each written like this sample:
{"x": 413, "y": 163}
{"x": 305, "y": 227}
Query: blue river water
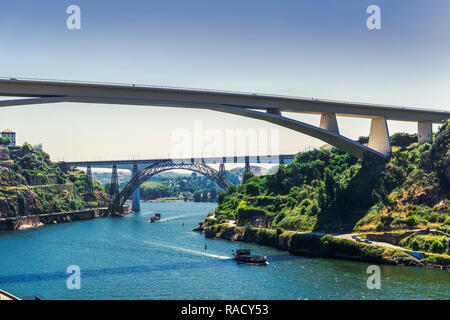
{"x": 130, "y": 258}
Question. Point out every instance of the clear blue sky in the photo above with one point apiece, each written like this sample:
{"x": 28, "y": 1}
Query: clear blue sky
{"x": 312, "y": 48}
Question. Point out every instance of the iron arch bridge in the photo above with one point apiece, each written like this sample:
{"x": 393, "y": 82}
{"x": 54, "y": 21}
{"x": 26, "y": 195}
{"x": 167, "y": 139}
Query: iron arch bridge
{"x": 140, "y": 177}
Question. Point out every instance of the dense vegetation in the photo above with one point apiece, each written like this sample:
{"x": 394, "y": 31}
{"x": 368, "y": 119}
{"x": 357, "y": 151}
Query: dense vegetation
{"x": 31, "y": 184}
{"x": 188, "y": 187}
{"x": 328, "y": 190}
{"x": 5, "y": 141}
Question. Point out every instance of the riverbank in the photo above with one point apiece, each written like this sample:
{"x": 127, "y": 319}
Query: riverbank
{"x": 118, "y": 257}
{"x": 35, "y": 221}
{"x": 320, "y": 245}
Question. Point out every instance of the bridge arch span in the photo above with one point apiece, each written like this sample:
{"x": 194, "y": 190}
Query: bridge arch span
{"x": 161, "y": 166}
{"x": 333, "y": 138}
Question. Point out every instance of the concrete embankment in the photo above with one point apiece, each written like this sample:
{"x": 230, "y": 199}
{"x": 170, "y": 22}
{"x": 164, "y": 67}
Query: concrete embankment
{"x": 33, "y": 221}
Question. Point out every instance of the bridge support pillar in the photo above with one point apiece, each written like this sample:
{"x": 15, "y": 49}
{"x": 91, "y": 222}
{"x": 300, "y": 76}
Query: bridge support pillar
{"x": 136, "y": 200}
{"x": 247, "y": 164}
{"x": 328, "y": 122}
{"x": 425, "y": 132}
{"x": 136, "y": 197}
{"x": 379, "y": 136}
{"x": 222, "y": 169}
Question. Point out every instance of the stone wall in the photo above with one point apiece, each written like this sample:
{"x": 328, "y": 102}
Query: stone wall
{"x": 33, "y": 221}
{"x": 389, "y": 237}
{"x": 63, "y": 217}
{"x": 20, "y": 223}
{"x": 257, "y": 221}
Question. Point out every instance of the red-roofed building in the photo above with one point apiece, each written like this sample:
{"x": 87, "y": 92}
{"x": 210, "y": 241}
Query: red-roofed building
{"x": 9, "y": 134}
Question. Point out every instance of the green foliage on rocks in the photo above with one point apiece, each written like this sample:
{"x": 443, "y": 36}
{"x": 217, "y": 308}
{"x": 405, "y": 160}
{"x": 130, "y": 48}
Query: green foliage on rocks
{"x": 31, "y": 184}
{"x": 426, "y": 243}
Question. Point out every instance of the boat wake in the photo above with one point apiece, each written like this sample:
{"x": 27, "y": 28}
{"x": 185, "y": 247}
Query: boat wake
{"x": 194, "y": 252}
{"x": 179, "y": 217}
{"x": 181, "y": 249}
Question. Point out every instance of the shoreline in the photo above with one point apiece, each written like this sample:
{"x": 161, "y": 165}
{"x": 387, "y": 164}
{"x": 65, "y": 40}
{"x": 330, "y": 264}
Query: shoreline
{"x": 35, "y": 221}
{"x": 320, "y": 245}
{"x": 174, "y": 200}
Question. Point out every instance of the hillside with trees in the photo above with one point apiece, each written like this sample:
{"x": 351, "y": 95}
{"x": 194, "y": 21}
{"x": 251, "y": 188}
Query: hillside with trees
{"x": 331, "y": 191}
{"x": 31, "y": 184}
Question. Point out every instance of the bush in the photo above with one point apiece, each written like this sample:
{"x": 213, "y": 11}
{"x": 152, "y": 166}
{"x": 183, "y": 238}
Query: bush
{"x": 245, "y": 213}
{"x": 379, "y": 226}
{"x": 280, "y": 231}
{"x": 247, "y": 175}
{"x": 249, "y": 233}
{"x": 267, "y": 237}
{"x": 412, "y": 221}
{"x": 5, "y": 141}
{"x": 415, "y": 245}
{"x": 252, "y": 189}
{"x": 403, "y": 140}
{"x": 427, "y": 243}
{"x": 437, "y": 247}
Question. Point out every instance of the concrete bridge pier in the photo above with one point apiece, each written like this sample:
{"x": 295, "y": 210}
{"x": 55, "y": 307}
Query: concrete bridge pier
{"x": 379, "y": 136}
{"x": 425, "y": 132}
{"x": 328, "y": 122}
{"x": 136, "y": 196}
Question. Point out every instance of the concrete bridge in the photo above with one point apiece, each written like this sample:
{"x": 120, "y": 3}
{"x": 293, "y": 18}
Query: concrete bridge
{"x": 264, "y": 107}
{"x": 269, "y": 108}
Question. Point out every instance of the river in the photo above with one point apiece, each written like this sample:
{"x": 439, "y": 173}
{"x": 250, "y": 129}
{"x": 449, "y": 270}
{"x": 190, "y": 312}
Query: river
{"x": 130, "y": 258}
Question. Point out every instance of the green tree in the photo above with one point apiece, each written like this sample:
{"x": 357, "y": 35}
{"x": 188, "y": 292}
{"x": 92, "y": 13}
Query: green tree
{"x": 213, "y": 194}
{"x": 26, "y": 147}
{"x": 197, "y": 196}
{"x": 5, "y": 141}
{"x": 329, "y": 185}
{"x": 205, "y": 195}
{"x": 247, "y": 175}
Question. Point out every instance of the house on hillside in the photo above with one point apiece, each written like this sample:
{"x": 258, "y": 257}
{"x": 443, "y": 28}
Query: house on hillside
{"x": 9, "y": 134}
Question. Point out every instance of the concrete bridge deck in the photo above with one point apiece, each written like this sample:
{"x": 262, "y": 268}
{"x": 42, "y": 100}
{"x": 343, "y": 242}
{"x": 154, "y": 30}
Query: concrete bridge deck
{"x": 132, "y": 94}
{"x": 265, "y": 107}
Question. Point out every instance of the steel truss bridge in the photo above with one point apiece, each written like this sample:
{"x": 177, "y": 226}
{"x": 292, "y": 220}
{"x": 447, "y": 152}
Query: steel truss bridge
{"x": 145, "y": 169}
